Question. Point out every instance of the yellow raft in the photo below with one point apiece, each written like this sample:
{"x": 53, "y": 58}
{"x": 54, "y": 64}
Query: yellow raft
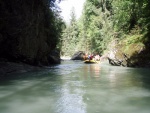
{"x": 91, "y": 62}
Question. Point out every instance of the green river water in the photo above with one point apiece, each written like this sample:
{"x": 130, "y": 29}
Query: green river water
{"x": 75, "y": 87}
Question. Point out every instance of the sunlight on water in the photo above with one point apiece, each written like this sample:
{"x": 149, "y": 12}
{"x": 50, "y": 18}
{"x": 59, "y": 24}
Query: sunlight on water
{"x": 71, "y": 100}
{"x": 75, "y": 87}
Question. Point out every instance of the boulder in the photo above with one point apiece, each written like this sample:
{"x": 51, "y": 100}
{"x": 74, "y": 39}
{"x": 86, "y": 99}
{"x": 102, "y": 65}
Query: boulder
{"x": 118, "y": 58}
{"x": 78, "y": 56}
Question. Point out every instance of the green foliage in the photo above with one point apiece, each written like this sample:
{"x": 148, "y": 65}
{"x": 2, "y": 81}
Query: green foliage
{"x": 105, "y": 20}
{"x": 96, "y": 19}
{"x": 128, "y": 14}
{"x": 70, "y": 37}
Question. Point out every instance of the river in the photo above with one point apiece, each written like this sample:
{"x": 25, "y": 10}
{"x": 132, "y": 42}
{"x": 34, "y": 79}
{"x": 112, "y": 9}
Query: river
{"x": 75, "y": 87}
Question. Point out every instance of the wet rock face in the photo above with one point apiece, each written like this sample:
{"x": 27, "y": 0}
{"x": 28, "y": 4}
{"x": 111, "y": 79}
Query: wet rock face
{"x": 78, "y": 56}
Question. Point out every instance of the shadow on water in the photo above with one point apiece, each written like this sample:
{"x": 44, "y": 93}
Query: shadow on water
{"x": 144, "y": 75}
{"x": 139, "y": 77}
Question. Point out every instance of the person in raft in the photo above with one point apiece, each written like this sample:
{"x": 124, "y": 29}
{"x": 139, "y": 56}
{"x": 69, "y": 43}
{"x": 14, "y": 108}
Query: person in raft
{"x": 97, "y": 57}
{"x": 90, "y": 57}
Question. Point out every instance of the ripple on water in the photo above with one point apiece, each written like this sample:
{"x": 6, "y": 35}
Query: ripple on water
{"x": 81, "y": 89}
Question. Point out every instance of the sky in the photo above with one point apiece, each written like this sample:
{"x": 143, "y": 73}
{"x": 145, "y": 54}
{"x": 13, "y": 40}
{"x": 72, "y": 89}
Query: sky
{"x": 66, "y": 6}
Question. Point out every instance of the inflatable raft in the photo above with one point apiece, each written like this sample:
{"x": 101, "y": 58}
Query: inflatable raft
{"x": 91, "y": 62}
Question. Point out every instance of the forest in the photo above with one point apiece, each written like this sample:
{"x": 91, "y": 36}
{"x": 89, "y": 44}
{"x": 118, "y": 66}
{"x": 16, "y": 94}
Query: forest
{"x": 110, "y": 25}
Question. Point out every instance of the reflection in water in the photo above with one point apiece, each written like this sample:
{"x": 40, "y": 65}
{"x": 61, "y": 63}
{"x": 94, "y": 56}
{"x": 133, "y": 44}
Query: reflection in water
{"x": 92, "y": 71}
{"x": 95, "y": 70}
{"x": 75, "y": 87}
{"x": 112, "y": 78}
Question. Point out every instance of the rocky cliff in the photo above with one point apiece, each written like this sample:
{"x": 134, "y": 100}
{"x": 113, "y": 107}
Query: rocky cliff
{"x": 27, "y": 31}
{"x": 133, "y": 55}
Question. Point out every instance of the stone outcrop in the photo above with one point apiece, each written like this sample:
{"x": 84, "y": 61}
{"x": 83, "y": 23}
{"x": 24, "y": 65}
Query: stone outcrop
{"x": 118, "y": 58}
{"x": 115, "y": 56}
{"x": 136, "y": 56}
{"x": 78, "y": 56}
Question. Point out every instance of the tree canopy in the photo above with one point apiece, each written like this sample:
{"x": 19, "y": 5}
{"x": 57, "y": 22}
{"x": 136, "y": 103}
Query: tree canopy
{"x": 105, "y": 20}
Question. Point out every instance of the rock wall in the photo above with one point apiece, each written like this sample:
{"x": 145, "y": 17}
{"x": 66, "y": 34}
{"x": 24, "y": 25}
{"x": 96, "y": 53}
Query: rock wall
{"x": 78, "y": 56}
{"x": 140, "y": 56}
{"x": 26, "y": 31}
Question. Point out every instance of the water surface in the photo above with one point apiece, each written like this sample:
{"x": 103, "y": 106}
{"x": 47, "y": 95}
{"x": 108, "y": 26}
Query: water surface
{"x": 75, "y": 87}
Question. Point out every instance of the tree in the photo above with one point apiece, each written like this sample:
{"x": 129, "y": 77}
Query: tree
{"x": 70, "y": 36}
